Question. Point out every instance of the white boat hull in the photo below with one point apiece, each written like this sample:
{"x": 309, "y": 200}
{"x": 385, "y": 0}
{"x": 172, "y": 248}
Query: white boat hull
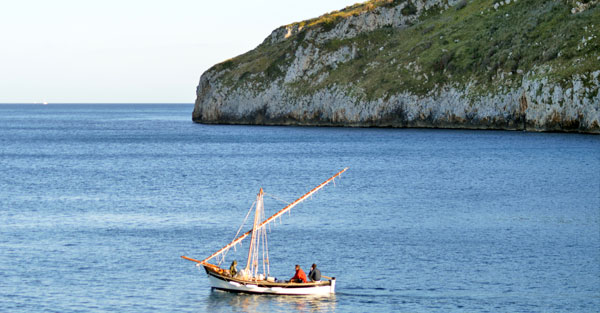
{"x": 220, "y": 282}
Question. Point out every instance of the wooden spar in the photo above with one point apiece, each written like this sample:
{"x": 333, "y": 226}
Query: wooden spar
{"x": 206, "y": 264}
{"x": 267, "y": 221}
{"x": 297, "y": 201}
{"x": 188, "y": 258}
{"x": 256, "y": 215}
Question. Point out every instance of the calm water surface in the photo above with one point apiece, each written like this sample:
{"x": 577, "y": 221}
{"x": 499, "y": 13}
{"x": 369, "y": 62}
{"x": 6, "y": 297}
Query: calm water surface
{"x": 97, "y": 203}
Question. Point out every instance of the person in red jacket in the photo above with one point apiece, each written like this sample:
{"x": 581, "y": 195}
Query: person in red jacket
{"x": 300, "y": 276}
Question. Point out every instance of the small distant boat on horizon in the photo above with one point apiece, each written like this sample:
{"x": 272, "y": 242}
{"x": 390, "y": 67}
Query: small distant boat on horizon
{"x": 248, "y": 280}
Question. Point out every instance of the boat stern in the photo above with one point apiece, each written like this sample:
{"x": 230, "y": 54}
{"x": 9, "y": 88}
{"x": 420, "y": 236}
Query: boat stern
{"x": 332, "y": 285}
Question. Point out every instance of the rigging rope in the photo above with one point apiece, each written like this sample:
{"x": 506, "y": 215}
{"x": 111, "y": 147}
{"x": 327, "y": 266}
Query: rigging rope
{"x": 222, "y": 259}
{"x": 276, "y": 198}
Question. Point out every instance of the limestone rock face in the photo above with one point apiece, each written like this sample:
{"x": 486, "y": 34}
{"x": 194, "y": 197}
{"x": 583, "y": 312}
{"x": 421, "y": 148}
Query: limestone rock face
{"x": 534, "y": 103}
{"x": 355, "y": 25}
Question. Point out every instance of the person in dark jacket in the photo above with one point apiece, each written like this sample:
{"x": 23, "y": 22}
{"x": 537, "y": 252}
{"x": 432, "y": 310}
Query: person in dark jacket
{"x": 233, "y": 269}
{"x": 315, "y": 274}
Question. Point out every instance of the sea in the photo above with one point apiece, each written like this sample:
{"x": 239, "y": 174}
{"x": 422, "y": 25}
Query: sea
{"x": 98, "y": 202}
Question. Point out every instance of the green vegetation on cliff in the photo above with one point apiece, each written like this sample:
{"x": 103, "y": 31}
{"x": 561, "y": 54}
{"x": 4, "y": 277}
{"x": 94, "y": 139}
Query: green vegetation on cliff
{"x": 478, "y": 43}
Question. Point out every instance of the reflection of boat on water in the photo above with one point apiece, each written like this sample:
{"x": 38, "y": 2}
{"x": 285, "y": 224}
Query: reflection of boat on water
{"x": 218, "y": 300}
{"x": 249, "y": 280}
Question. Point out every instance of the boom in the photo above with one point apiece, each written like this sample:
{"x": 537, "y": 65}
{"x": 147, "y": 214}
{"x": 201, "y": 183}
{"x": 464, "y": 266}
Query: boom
{"x": 270, "y": 219}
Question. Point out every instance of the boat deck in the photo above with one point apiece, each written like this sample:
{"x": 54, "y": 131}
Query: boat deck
{"x": 264, "y": 283}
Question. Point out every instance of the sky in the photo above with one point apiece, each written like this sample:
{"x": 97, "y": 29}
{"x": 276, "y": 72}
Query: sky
{"x": 130, "y": 51}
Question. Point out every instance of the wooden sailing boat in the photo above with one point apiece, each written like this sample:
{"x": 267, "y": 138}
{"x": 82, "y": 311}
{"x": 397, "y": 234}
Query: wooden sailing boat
{"x": 249, "y": 280}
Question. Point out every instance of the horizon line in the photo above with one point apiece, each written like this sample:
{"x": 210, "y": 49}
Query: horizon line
{"x": 48, "y": 103}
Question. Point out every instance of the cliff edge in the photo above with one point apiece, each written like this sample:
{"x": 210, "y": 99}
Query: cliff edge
{"x": 520, "y": 65}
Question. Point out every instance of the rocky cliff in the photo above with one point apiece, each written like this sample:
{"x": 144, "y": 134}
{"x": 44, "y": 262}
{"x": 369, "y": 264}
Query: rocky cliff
{"x": 531, "y": 65}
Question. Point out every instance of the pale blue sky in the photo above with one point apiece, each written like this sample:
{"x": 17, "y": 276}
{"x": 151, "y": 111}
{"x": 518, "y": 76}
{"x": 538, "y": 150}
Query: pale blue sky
{"x": 130, "y": 50}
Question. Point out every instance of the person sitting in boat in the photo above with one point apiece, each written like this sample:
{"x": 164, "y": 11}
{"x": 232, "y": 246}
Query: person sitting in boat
{"x": 315, "y": 274}
{"x": 232, "y": 269}
{"x": 300, "y": 276}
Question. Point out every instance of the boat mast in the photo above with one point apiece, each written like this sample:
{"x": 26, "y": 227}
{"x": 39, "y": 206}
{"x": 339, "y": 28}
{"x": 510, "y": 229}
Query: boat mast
{"x": 254, "y": 240}
{"x": 270, "y": 219}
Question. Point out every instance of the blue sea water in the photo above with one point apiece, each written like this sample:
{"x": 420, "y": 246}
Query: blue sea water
{"x": 98, "y": 202}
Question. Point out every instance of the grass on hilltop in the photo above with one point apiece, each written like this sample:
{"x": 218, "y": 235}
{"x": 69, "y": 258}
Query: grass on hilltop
{"x": 471, "y": 42}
